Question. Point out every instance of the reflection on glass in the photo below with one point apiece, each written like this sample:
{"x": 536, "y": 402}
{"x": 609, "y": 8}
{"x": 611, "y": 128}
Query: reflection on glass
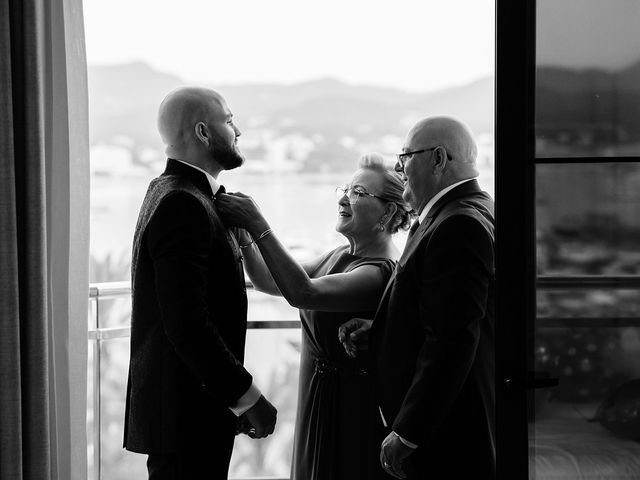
{"x": 273, "y": 358}
{"x": 588, "y": 219}
{"x": 562, "y": 307}
{"x": 584, "y": 360}
{"x": 112, "y": 312}
{"x": 264, "y": 307}
{"x": 91, "y": 467}
{"x": 585, "y": 427}
{"x": 116, "y": 462}
{"x": 587, "y": 78}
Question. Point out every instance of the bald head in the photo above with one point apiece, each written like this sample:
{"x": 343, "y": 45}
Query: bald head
{"x": 440, "y": 151}
{"x": 197, "y": 127}
{"x": 181, "y": 111}
{"x": 455, "y": 137}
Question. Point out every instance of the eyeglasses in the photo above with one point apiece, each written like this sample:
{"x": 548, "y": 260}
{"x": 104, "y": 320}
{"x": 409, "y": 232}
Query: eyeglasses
{"x": 354, "y": 193}
{"x": 404, "y": 156}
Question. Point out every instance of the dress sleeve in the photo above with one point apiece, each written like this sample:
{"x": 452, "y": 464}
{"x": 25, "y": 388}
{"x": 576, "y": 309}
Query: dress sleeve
{"x": 312, "y": 266}
{"x": 386, "y": 265}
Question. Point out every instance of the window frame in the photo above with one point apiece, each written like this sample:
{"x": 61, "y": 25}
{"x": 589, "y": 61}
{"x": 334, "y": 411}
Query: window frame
{"x": 515, "y": 229}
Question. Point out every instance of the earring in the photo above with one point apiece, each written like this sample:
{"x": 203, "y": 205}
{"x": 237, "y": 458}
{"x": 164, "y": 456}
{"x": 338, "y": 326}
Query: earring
{"x": 381, "y": 226}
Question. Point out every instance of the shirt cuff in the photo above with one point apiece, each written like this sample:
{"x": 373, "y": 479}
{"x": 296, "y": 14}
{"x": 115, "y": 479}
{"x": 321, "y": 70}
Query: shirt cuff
{"x": 246, "y": 401}
{"x": 406, "y": 442}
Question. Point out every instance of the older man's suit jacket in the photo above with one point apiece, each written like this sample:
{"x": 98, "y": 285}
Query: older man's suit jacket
{"x": 188, "y": 322}
{"x": 433, "y": 340}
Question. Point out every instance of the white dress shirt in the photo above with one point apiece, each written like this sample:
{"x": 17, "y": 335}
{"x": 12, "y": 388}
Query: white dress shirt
{"x": 251, "y": 396}
{"x": 427, "y": 208}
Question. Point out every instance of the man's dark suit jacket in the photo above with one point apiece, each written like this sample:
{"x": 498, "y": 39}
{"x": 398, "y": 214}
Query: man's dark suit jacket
{"x": 188, "y": 321}
{"x": 433, "y": 340}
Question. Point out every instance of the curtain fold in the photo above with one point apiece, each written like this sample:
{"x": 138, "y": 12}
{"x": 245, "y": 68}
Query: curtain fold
{"x": 42, "y": 321}
{"x": 24, "y": 368}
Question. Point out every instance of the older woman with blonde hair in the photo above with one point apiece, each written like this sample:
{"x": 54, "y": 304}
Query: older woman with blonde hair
{"x": 337, "y": 420}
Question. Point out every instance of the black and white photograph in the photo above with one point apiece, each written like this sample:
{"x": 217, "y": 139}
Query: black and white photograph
{"x": 303, "y": 240}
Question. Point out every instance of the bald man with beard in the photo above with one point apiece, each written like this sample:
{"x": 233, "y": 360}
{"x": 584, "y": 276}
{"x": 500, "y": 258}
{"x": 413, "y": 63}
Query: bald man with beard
{"x": 188, "y": 393}
{"x": 432, "y": 336}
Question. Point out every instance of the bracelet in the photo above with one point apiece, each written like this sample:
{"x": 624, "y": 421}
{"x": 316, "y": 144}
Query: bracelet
{"x": 262, "y": 235}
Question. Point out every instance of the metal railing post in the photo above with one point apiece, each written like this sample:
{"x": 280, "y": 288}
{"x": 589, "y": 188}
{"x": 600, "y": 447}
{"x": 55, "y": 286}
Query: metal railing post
{"x": 96, "y": 398}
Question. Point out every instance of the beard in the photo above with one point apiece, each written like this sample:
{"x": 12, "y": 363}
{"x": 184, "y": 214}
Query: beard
{"x": 227, "y": 155}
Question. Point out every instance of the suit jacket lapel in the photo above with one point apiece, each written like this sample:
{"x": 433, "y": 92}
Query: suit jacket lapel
{"x": 408, "y": 250}
{"x": 467, "y": 188}
{"x": 415, "y": 240}
{"x": 199, "y": 179}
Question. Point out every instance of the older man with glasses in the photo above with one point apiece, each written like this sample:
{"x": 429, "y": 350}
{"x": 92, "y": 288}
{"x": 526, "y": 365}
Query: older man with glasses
{"x": 432, "y": 337}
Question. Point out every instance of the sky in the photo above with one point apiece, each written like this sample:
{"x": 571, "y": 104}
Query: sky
{"x": 416, "y": 45}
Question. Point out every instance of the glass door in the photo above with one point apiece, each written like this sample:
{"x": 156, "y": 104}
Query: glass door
{"x": 569, "y": 369}
{"x": 587, "y": 218}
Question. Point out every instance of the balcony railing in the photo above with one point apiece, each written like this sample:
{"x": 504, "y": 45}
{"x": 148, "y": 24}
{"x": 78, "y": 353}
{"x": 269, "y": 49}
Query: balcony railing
{"x": 98, "y": 333}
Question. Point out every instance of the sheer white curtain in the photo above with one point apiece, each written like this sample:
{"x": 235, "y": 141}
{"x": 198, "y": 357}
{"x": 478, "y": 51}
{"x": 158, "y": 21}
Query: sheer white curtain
{"x": 44, "y": 221}
{"x": 68, "y": 226}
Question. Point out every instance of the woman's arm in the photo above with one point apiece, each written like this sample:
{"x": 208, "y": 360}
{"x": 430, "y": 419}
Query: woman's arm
{"x": 353, "y": 291}
{"x": 254, "y": 265}
{"x": 257, "y": 269}
{"x": 341, "y": 292}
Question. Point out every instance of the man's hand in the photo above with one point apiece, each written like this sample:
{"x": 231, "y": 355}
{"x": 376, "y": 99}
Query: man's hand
{"x": 262, "y": 418}
{"x": 354, "y": 335}
{"x": 243, "y": 425}
{"x": 392, "y": 453}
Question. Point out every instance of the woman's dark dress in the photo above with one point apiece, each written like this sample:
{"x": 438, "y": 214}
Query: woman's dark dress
{"x": 338, "y": 429}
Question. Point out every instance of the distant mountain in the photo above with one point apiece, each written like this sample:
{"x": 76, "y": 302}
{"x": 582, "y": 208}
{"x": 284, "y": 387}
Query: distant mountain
{"x": 123, "y": 101}
{"x": 592, "y": 109}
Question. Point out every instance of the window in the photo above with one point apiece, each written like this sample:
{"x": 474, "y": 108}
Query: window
{"x": 312, "y": 87}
